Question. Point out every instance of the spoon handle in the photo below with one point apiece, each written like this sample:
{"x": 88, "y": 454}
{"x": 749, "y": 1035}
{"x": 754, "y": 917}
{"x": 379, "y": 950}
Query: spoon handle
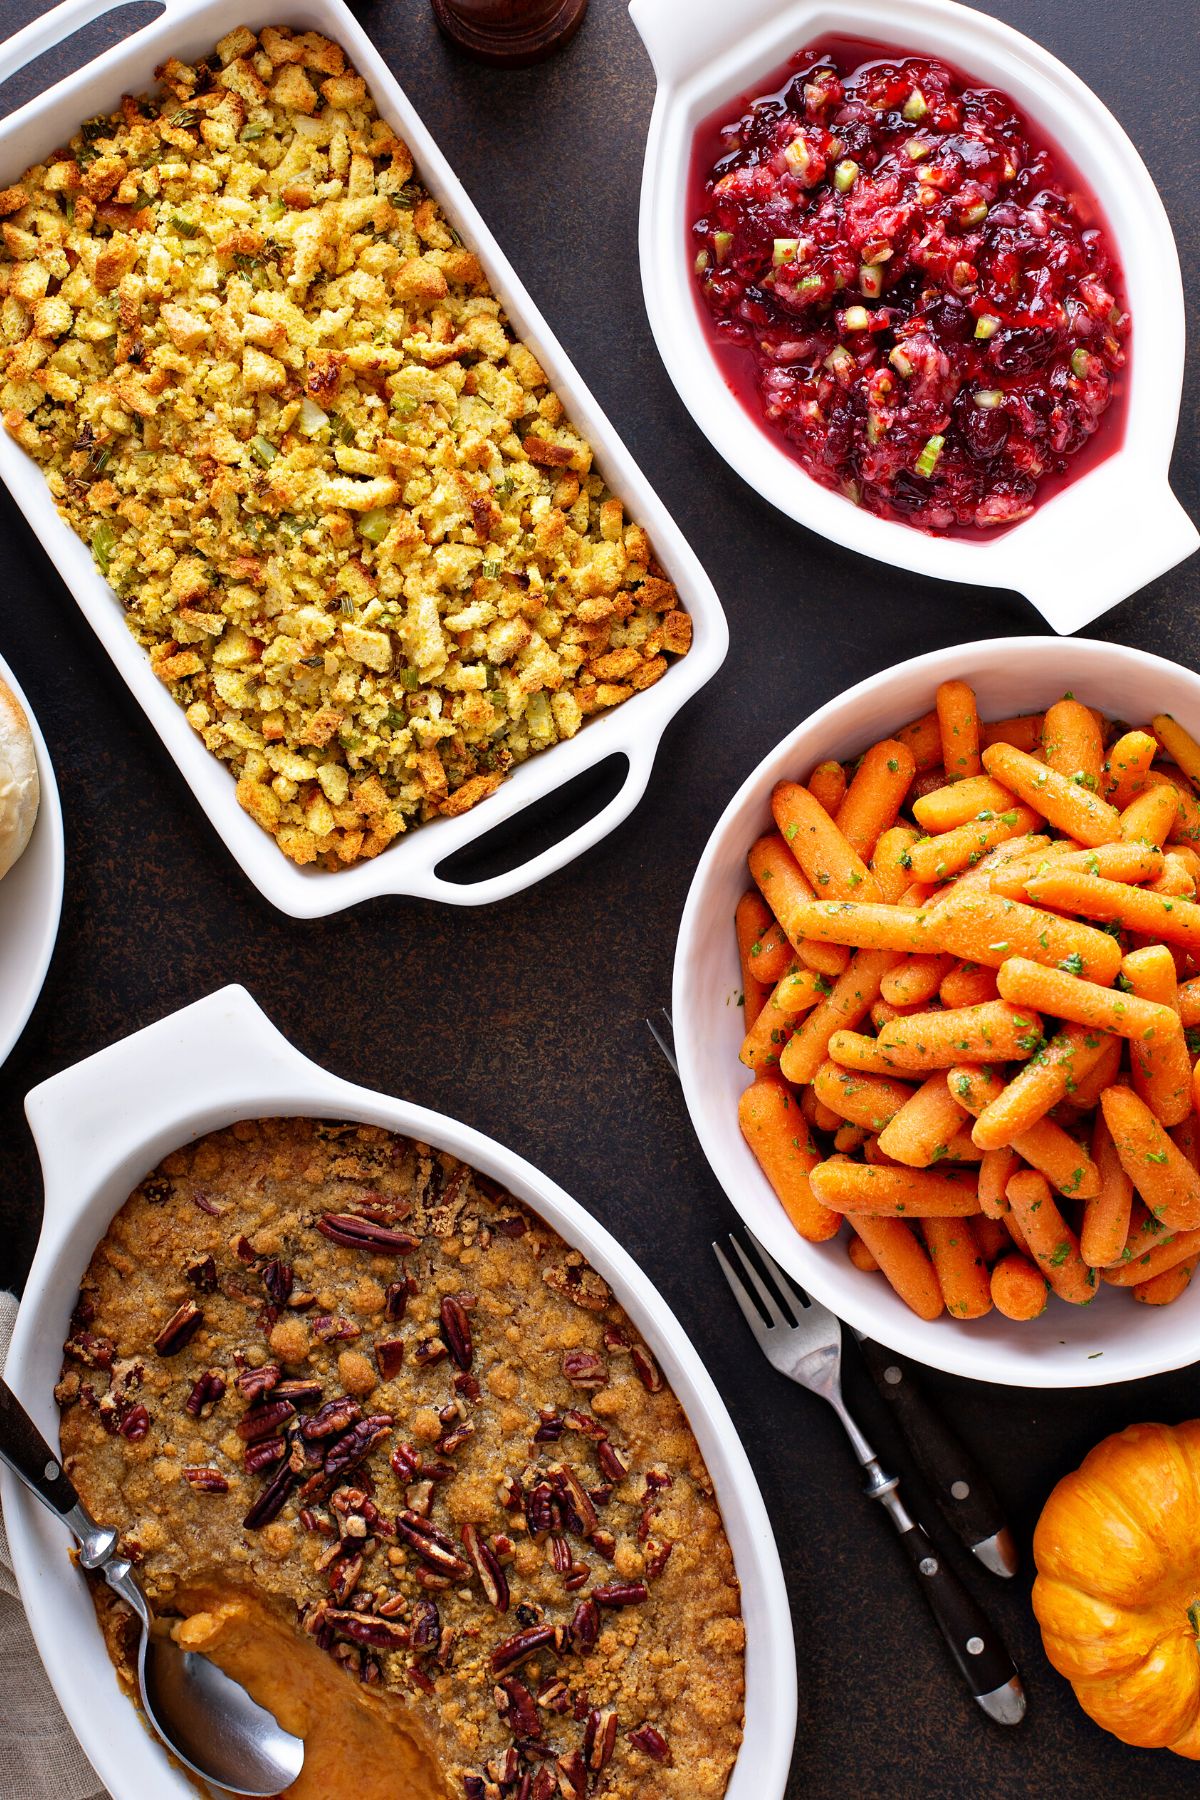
{"x": 27, "y": 1453}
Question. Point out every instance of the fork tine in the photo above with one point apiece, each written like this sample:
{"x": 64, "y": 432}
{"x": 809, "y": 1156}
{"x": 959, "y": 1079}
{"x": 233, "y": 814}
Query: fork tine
{"x": 773, "y": 1309}
{"x": 749, "y": 1311}
{"x": 663, "y": 1041}
{"x": 666, "y": 1013}
{"x": 777, "y": 1275}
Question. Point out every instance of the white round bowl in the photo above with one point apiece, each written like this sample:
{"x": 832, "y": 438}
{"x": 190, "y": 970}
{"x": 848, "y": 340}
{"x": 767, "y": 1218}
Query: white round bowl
{"x": 1112, "y": 1339}
{"x": 100, "y": 1126}
{"x": 1116, "y": 525}
{"x": 30, "y": 897}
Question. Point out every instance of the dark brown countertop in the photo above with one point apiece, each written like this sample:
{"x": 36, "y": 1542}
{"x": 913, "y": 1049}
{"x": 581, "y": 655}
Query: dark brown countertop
{"x": 526, "y": 1019}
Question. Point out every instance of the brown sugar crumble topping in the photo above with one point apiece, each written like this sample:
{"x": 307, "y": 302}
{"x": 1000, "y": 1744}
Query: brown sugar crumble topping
{"x": 344, "y": 1388}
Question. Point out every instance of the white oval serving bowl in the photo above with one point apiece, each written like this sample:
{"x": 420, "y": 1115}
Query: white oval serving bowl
{"x": 190, "y": 28}
{"x": 1116, "y": 525}
{"x": 100, "y": 1127}
{"x": 30, "y": 896}
{"x": 1112, "y": 1339}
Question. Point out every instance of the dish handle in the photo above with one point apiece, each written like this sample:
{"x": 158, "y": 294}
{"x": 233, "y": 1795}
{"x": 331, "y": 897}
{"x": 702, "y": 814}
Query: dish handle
{"x": 681, "y": 39}
{"x": 88, "y": 1119}
{"x": 422, "y": 855}
{"x": 51, "y": 28}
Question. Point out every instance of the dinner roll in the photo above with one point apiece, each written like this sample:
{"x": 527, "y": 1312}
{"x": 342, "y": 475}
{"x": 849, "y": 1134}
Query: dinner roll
{"x": 19, "y": 791}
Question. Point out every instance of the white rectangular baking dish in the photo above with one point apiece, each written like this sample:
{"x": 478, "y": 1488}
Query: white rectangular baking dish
{"x": 188, "y": 29}
{"x": 100, "y": 1127}
{"x": 1116, "y": 525}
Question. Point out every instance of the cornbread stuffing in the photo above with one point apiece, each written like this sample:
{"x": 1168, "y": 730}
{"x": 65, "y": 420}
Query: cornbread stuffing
{"x": 342, "y": 506}
{"x": 391, "y": 1453}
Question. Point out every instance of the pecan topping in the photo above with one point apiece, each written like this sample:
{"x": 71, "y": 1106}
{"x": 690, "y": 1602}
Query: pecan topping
{"x": 577, "y": 1283}
{"x": 300, "y": 1393}
{"x": 572, "y": 1775}
{"x": 620, "y": 1593}
{"x": 271, "y": 1499}
{"x": 613, "y": 1462}
{"x": 454, "y": 1440}
{"x": 512, "y": 1227}
{"x": 555, "y": 1696}
{"x": 263, "y": 1455}
{"x": 358, "y": 1233}
{"x": 206, "y": 1392}
{"x": 179, "y": 1329}
{"x": 429, "y": 1351}
{"x": 406, "y": 1460}
{"x": 584, "y": 1369}
{"x": 389, "y": 1355}
{"x": 349, "y": 1450}
{"x": 264, "y": 1421}
{"x": 578, "y": 1500}
{"x": 203, "y": 1275}
{"x": 278, "y": 1281}
{"x": 431, "y": 1545}
{"x": 395, "y": 1300}
{"x": 206, "y": 1481}
{"x": 517, "y": 1708}
{"x": 585, "y": 1624}
{"x": 652, "y": 1741}
{"x": 244, "y": 1250}
{"x": 545, "y": 1784}
{"x": 425, "y": 1625}
{"x": 514, "y": 1650}
{"x": 335, "y": 1416}
{"x": 135, "y": 1424}
{"x": 254, "y": 1383}
{"x": 86, "y": 1347}
{"x": 456, "y": 1329}
{"x": 361, "y": 1628}
{"x": 344, "y": 1575}
{"x": 551, "y": 1427}
{"x": 647, "y": 1369}
{"x": 599, "y": 1738}
{"x": 491, "y": 1575}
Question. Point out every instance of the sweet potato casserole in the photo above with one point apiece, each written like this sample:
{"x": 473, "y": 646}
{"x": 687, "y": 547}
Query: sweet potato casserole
{"x": 344, "y": 510}
{"x": 390, "y": 1452}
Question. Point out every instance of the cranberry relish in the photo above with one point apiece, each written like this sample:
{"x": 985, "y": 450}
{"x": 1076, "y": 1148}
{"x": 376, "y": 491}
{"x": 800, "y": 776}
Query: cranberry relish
{"x": 934, "y": 323}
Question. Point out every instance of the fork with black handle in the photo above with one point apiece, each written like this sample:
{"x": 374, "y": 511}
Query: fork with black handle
{"x": 958, "y": 1484}
{"x": 807, "y": 1347}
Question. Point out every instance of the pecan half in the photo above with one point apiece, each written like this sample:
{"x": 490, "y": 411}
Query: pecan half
{"x": 572, "y": 1775}
{"x": 254, "y": 1383}
{"x": 432, "y": 1546}
{"x": 263, "y": 1455}
{"x": 599, "y": 1738}
{"x": 278, "y": 1280}
{"x": 578, "y": 1500}
{"x": 358, "y": 1233}
{"x": 206, "y": 1481}
{"x": 620, "y": 1593}
{"x": 584, "y": 1369}
{"x": 389, "y": 1355}
{"x": 335, "y": 1416}
{"x": 514, "y": 1650}
{"x": 363, "y": 1628}
{"x": 429, "y": 1351}
{"x": 264, "y": 1421}
{"x": 425, "y": 1625}
{"x": 491, "y": 1576}
{"x": 135, "y": 1424}
{"x": 545, "y": 1784}
{"x": 613, "y": 1462}
{"x": 649, "y": 1739}
{"x": 395, "y": 1300}
{"x": 356, "y": 1445}
{"x": 456, "y": 1329}
{"x": 585, "y": 1624}
{"x": 206, "y": 1391}
{"x": 577, "y": 1283}
{"x": 203, "y": 1275}
{"x": 272, "y": 1498}
{"x": 517, "y": 1708}
{"x": 299, "y": 1392}
{"x": 179, "y": 1329}
{"x": 647, "y": 1369}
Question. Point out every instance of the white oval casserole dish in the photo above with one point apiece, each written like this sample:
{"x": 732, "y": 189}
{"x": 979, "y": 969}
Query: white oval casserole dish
{"x": 1112, "y": 1339}
{"x": 190, "y": 28}
{"x": 1112, "y": 528}
{"x": 100, "y": 1127}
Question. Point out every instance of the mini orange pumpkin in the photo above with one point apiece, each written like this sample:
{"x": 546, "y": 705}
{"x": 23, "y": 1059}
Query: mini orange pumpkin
{"x": 1118, "y": 1588}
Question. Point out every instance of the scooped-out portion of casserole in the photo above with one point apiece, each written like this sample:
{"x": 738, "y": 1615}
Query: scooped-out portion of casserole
{"x": 389, "y": 1451}
{"x": 342, "y": 506}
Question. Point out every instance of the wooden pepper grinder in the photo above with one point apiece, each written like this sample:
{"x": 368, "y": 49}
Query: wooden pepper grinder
{"x": 510, "y": 32}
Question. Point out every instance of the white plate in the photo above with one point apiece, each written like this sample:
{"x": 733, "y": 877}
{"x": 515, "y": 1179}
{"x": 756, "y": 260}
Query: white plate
{"x": 1116, "y": 525}
{"x": 30, "y": 897}
{"x": 1113, "y": 1338}
{"x": 190, "y": 28}
{"x": 100, "y": 1127}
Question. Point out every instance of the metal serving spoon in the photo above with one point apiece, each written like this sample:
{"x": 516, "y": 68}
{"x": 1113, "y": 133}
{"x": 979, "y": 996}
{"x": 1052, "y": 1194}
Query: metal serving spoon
{"x": 202, "y": 1715}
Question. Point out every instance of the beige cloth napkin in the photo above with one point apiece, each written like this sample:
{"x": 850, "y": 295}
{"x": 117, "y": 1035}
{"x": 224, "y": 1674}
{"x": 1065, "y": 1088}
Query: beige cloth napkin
{"x": 40, "y": 1758}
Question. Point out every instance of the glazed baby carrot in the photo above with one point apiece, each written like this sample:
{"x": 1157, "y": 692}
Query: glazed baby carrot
{"x": 995, "y": 1172}
{"x": 1018, "y": 1290}
{"x": 1186, "y": 828}
{"x": 892, "y": 1191}
{"x": 859, "y": 1255}
{"x": 772, "y": 1126}
{"x": 962, "y": 1148}
{"x": 1179, "y": 744}
{"x": 904, "y": 1262}
{"x": 1106, "y": 1218}
{"x": 990, "y": 929}
{"x": 1023, "y": 732}
{"x": 1176, "y": 878}
{"x": 751, "y": 920}
{"x": 1161, "y": 1067}
{"x": 1088, "y": 1088}
{"x": 1189, "y": 1000}
{"x": 1071, "y": 1053}
{"x": 961, "y": 802}
{"x": 819, "y": 1116}
{"x": 774, "y": 871}
{"x": 833, "y": 866}
{"x": 994, "y": 1031}
{"x": 1150, "y": 1257}
{"x": 1053, "y": 1244}
{"x": 1160, "y": 1290}
{"x": 875, "y": 795}
{"x": 938, "y": 858}
{"x": 1072, "y": 744}
{"x": 827, "y": 785}
{"x": 958, "y": 723}
{"x": 848, "y": 1001}
{"x": 1073, "y": 809}
{"x": 959, "y": 1266}
{"x": 977, "y": 877}
{"x": 868, "y": 1100}
{"x": 1055, "y": 1153}
{"x": 920, "y": 1131}
{"x": 1123, "y": 861}
{"x": 889, "y": 864}
{"x": 1150, "y": 817}
{"x": 848, "y": 1138}
{"x": 974, "y": 1086}
{"x": 968, "y": 984}
{"x": 865, "y": 924}
{"x": 1027, "y": 983}
{"x": 991, "y": 1237}
{"x": 763, "y": 1043}
{"x": 1158, "y": 1169}
{"x": 1128, "y": 761}
{"x": 915, "y": 980}
{"x": 922, "y": 738}
{"x": 853, "y": 1050}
